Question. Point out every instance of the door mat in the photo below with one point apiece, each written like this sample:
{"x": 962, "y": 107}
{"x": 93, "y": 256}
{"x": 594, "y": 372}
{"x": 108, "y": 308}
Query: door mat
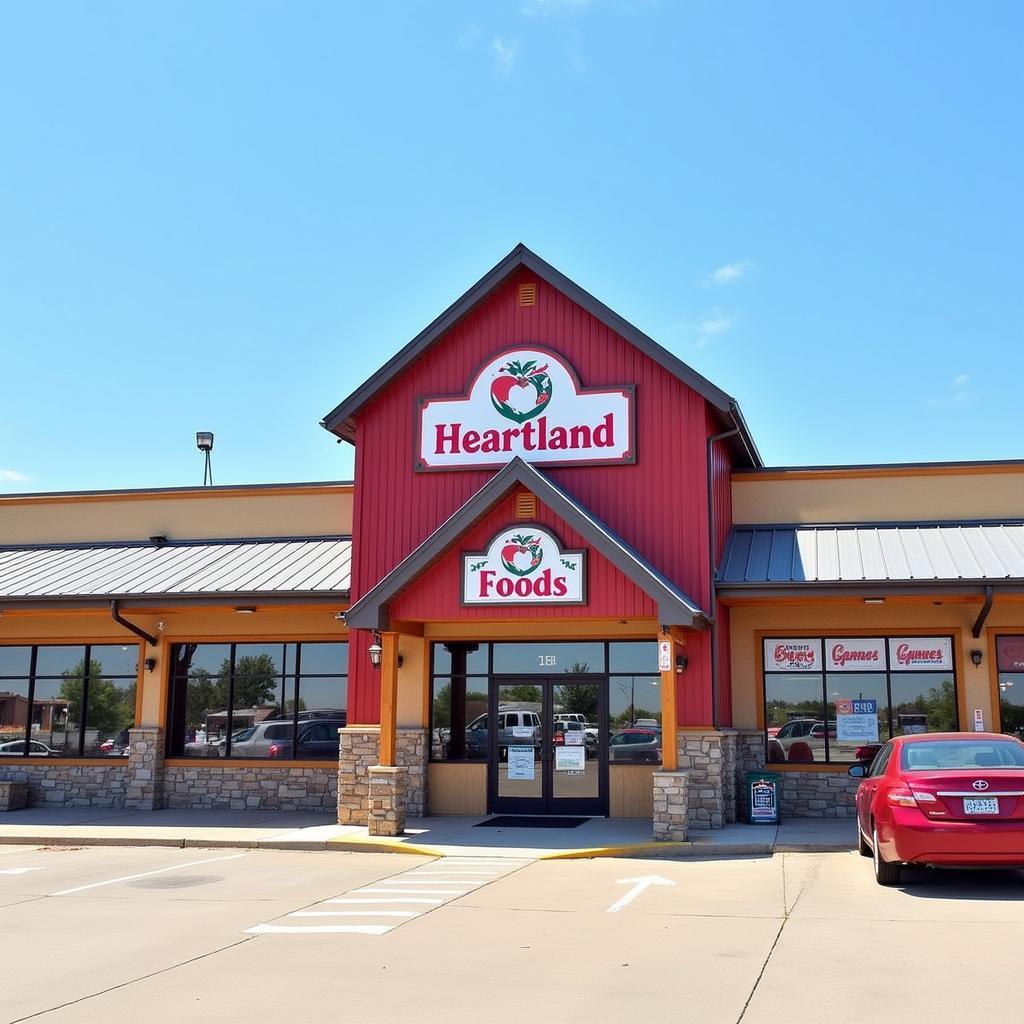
{"x": 525, "y": 821}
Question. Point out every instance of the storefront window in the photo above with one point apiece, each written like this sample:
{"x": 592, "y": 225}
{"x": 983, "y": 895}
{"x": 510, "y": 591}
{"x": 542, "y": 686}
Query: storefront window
{"x": 461, "y": 682}
{"x": 68, "y": 700}
{"x": 821, "y": 706}
{"x": 277, "y": 701}
{"x": 1010, "y": 667}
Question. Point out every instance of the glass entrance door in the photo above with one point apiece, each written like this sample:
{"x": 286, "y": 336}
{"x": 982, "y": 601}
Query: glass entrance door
{"x": 549, "y": 746}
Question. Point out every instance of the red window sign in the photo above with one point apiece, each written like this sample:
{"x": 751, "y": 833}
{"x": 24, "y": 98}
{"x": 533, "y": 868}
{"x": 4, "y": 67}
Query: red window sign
{"x": 1010, "y": 653}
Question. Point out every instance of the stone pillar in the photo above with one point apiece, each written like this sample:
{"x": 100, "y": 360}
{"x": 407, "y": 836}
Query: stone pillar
{"x": 749, "y": 758}
{"x": 386, "y": 814}
{"x": 729, "y": 775}
{"x": 358, "y": 752}
{"x": 700, "y": 754}
{"x": 411, "y": 754}
{"x": 144, "y": 790}
{"x": 671, "y": 810}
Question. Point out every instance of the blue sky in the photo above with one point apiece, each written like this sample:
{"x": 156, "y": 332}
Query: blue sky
{"x": 225, "y": 216}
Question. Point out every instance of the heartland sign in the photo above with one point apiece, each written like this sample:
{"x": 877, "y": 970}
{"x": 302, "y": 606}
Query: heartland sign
{"x": 526, "y": 402}
{"x": 524, "y": 564}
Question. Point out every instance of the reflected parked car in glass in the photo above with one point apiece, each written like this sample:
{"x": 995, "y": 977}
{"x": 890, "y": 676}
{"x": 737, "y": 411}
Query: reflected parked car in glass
{"x": 635, "y": 746}
{"x": 16, "y": 748}
{"x": 516, "y": 727}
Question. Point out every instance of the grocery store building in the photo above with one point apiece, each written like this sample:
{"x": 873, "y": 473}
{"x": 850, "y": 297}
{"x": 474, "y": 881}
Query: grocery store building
{"x": 562, "y": 582}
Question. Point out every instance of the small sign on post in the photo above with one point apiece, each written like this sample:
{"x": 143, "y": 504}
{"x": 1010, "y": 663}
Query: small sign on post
{"x": 979, "y": 720}
{"x": 664, "y": 655}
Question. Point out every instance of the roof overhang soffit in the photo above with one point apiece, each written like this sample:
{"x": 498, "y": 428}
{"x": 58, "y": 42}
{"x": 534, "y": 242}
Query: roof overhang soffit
{"x": 674, "y": 607}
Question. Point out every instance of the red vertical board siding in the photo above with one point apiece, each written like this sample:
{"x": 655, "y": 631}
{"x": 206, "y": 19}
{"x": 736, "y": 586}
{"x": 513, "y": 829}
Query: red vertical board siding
{"x": 658, "y": 504}
{"x": 436, "y": 594}
{"x": 721, "y": 496}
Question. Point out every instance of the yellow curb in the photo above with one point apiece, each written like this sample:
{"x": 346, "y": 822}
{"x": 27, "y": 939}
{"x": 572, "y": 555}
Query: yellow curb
{"x": 616, "y": 851}
{"x": 371, "y": 843}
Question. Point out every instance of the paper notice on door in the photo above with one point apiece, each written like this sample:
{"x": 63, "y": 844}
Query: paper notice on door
{"x": 574, "y": 739}
{"x": 570, "y": 759}
{"x": 522, "y": 732}
{"x": 520, "y": 763}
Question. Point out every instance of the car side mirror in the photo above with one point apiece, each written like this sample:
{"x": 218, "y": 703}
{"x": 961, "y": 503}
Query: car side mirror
{"x": 857, "y": 771}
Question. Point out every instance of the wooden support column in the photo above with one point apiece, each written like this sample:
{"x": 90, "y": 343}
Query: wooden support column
{"x": 669, "y": 713}
{"x": 388, "y": 698}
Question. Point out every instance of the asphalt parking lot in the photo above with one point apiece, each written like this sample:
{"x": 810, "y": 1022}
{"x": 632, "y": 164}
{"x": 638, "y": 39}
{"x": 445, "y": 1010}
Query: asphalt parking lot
{"x": 169, "y": 935}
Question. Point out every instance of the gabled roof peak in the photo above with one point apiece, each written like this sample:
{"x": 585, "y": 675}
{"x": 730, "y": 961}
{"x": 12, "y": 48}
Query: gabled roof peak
{"x": 340, "y": 420}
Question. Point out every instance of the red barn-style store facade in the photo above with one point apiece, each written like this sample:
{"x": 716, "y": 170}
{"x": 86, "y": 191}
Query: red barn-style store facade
{"x": 562, "y": 582}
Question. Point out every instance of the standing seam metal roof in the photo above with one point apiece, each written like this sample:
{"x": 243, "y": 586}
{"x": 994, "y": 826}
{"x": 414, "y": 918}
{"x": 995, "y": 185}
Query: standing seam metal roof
{"x": 876, "y": 553}
{"x": 194, "y": 568}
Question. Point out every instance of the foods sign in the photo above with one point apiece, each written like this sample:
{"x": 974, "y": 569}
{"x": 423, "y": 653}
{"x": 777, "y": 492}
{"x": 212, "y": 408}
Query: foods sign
{"x": 792, "y": 655}
{"x": 524, "y": 564}
{"x": 526, "y": 402}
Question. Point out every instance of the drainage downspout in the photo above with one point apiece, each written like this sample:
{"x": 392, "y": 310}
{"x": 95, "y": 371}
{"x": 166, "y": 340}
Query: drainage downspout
{"x": 116, "y": 615}
{"x": 983, "y": 614}
{"x": 712, "y": 562}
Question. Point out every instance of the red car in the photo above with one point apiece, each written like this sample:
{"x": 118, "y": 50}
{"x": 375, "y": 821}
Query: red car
{"x": 942, "y": 798}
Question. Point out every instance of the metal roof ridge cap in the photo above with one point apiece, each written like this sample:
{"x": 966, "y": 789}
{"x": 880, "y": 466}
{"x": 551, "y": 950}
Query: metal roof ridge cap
{"x": 169, "y": 543}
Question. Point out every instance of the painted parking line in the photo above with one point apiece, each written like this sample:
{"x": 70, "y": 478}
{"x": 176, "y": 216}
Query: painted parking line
{"x": 146, "y": 874}
{"x": 404, "y": 898}
{"x": 17, "y": 871}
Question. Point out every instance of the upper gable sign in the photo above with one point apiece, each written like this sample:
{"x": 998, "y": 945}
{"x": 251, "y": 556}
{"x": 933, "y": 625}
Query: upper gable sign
{"x": 527, "y": 402}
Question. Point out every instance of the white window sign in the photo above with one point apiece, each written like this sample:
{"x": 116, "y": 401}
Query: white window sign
{"x": 524, "y": 564}
{"x": 664, "y": 655}
{"x": 792, "y": 655}
{"x": 920, "y": 654}
{"x": 979, "y": 720}
{"x": 520, "y": 763}
{"x": 856, "y": 721}
{"x": 526, "y": 402}
{"x": 570, "y": 759}
{"x": 846, "y": 655}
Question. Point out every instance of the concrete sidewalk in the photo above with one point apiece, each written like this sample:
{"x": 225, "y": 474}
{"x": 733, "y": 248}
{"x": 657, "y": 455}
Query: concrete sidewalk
{"x": 430, "y": 837}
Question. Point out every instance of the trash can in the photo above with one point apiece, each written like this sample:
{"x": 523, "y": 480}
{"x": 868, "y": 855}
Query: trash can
{"x": 763, "y": 798}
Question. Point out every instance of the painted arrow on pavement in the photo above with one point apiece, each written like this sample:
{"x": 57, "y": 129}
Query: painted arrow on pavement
{"x": 641, "y": 883}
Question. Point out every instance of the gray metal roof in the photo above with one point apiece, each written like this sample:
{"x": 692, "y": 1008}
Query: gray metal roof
{"x": 874, "y": 553}
{"x": 291, "y": 567}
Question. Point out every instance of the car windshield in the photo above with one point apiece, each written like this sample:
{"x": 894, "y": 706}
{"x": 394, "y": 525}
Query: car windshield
{"x": 944, "y": 755}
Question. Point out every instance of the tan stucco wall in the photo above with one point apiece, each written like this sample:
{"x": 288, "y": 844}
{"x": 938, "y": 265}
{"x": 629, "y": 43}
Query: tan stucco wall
{"x": 181, "y": 515}
{"x": 178, "y": 625}
{"x": 893, "y": 618}
{"x": 412, "y": 681}
{"x": 805, "y": 497}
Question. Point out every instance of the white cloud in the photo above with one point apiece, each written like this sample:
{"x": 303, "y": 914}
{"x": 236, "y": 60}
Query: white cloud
{"x": 12, "y": 476}
{"x": 714, "y": 325}
{"x": 506, "y": 54}
{"x": 726, "y": 274}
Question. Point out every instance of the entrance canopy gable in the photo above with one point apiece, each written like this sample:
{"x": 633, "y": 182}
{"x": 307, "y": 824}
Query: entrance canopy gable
{"x": 674, "y": 607}
{"x": 341, "y": 420}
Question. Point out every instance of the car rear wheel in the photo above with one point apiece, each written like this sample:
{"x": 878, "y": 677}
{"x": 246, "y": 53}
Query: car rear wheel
{"x": 885, "y": 873}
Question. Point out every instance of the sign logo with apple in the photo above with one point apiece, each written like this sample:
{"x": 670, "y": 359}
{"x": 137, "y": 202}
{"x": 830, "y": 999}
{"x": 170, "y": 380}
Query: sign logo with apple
{"x": 524, "y": 565}
{"x": 526, "y": 402}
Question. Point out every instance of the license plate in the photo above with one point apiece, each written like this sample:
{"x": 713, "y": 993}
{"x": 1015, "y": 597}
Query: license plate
{"x": 981, "y": 805}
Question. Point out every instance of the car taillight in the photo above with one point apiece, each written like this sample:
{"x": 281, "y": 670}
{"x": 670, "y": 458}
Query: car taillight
{"x": 276, "y": 750}
{"x": 909, "y": 798}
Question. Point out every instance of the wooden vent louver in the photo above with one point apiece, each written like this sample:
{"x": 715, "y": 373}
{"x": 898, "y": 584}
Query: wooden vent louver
{"x": 526, "y": 506}
{"x": 528, "y": 294}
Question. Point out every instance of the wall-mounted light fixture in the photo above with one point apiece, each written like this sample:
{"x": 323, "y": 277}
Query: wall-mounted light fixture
{"x": 161, "y": 625}
{"x": 681, "y": 662}
{"x": 247, "y": 609}
{"x": 874, "y": 600}
{"x": 150, "y": 664}
{"x": 339, "y": 616}
{"x": 375, "y": 651}
{"x": 158, "y": 540}
{"x": 976, "y": 657}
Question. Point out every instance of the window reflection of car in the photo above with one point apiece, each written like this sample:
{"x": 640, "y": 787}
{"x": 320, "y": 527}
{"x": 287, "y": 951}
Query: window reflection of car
{"x": 509, "y": 723}
{"x": 806, "y": 730}
{"x": 635, "y": 746}
{"x": 562, "y": 727}
{"x": 16, "y": 748}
